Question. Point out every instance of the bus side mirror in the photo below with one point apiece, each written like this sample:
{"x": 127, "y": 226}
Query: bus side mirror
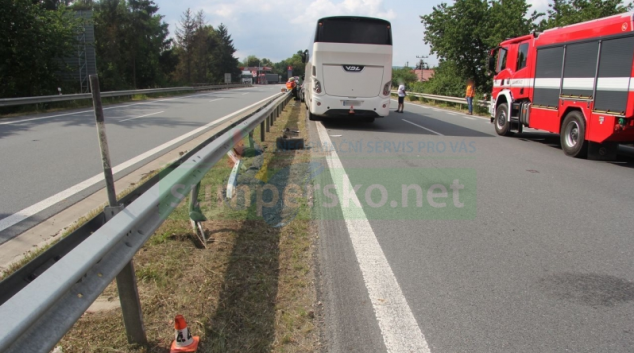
{"x": 304, "y": 56}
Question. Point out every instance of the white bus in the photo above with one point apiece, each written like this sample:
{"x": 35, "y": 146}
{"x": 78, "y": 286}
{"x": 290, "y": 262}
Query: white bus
{"x": 349, "y": 69}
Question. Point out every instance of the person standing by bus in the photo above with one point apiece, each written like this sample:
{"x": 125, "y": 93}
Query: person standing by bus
{"x": 401, "y": 98}
{"x": 470, "y": 94}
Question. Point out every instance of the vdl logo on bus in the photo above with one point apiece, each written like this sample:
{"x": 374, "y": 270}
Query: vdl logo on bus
{"x": 353, "y": 68}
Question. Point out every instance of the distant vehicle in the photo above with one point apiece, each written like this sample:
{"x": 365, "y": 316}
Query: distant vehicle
{"x": 272, "y": 78}
{"x": 574, "y": 81}
{"x": 349, "y": 68}
{"x": 246, "y": 77}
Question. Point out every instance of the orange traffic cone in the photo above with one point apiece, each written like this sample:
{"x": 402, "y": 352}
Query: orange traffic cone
{"x": 351, "y": 109}
{"x": 184, "y": 342}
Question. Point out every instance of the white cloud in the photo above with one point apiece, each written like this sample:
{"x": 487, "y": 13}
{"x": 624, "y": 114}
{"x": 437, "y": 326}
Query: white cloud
{"x": 322, "y": 8}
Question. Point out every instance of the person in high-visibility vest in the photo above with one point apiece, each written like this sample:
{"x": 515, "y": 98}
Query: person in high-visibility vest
{"x": 470, "y": 94}
{"x": 292, "y": 85}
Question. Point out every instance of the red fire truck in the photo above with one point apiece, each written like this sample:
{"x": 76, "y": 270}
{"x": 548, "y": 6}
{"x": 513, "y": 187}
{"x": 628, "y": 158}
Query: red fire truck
{"x": 576, "y": 81}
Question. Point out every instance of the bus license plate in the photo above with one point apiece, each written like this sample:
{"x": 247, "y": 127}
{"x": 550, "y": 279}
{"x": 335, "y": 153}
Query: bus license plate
{"x": 350, "y": 103}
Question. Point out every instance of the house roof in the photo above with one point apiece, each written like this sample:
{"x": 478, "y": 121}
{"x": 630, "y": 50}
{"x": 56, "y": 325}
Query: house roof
{"x": 424, "y": 75}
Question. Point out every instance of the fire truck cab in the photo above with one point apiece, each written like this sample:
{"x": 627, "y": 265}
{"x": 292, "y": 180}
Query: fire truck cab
{"x": 575, "y": 81}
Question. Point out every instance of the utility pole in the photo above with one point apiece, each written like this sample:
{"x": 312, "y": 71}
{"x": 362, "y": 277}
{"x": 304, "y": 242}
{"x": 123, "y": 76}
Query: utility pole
{"x": 421, "y": 63}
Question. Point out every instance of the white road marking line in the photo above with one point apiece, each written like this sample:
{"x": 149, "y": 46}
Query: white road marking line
{"x": 468, "y": 117}
{"x": 422, "y": 127}
{"x": 45, "y": 117}
{"x": 219, "y": 99}
{"x": 450, "y": 113}
{"x": 115, "y": 107}
{"x": 142, "y": 116}
{"x": 398, "y": 326}
{"x": 63, "y": 195}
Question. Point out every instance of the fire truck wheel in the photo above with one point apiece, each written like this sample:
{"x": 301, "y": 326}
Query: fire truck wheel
{"x": 573, "y": 135}
{"x": 502, "y": 123}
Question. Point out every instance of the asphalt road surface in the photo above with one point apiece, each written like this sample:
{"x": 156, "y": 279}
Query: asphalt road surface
{"x": 515, "y": 247}
{"x": 43, "y": 155}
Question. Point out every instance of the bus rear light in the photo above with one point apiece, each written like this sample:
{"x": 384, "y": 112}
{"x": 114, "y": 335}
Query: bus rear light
{"x": 317, "y": 87}
{"x": 386, "y": 89}
{"x": 384, "y": 106}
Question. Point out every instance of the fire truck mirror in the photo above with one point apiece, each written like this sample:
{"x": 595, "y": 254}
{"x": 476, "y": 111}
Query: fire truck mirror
{"x": 492, "y": 63}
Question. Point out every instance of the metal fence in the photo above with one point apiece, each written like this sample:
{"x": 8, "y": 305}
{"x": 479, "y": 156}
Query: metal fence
{"x": 8, "y": 102}
{"x": 49, "y": 301}
{"x": 447, "y": 99}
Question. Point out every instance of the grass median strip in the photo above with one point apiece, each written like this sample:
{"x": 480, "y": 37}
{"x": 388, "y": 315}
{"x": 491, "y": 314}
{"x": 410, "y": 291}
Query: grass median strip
{"x": 251, "y": 290}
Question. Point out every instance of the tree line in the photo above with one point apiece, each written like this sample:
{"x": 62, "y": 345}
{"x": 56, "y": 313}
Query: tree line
{"x": 279, "y": 68}
{"x": 461, "y": 35}
{"x": 132, "y": 43}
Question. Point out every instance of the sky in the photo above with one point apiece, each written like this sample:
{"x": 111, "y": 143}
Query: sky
{"x": 276, "y": 29}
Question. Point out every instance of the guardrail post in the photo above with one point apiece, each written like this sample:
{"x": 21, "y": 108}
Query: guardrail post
{"x": 251, "y": 142}
{"x": 126, "y": 279}
{"x": 196, "y": 215}
{"x": 268, "y": 122}
{"x": 262, "y": 131}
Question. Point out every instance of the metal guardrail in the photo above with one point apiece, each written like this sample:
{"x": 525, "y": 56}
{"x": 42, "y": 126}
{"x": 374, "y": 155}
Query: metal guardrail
{"x": 448, "y": 99}
{"x": 40, "y": 314}
{"x": 8, "y": 102}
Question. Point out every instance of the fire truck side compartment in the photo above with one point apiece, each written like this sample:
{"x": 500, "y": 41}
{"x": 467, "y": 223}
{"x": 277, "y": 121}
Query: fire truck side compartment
{"x": 580, "y": 69}
{"x": 580, "y": 73}
{"x": 547, "y": 71}
{"x": 615, "y": 62}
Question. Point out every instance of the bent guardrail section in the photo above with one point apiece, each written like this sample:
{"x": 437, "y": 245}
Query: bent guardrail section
{"x": 8, "y": 102}
{"x": 39, "y": 315}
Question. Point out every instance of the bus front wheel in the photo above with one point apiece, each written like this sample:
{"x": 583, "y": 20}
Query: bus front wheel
{"x": 311, "y": 116}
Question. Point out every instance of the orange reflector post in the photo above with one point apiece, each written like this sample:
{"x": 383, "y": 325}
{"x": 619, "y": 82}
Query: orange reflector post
{"x": 184, "y": 342}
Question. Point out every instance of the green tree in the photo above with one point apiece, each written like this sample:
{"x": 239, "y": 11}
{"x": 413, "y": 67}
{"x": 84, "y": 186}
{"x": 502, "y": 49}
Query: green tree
{"x": 444, "y": 81}
{"x": 146, "y": 38}
{"x": 130, "y": 38}
{"x": 185, "y": 32}
{"x": 224, "y": 59}
{"x": 463, "y": 32}
{"x": 403, "y": 75}
{"x": 32, "y": 39}
{"x": 251, "y": 60}
{"x": 567, "y": 12}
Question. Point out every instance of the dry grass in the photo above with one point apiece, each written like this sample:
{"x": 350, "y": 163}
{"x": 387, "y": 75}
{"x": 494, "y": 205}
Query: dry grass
{"x": 252, "y": 288}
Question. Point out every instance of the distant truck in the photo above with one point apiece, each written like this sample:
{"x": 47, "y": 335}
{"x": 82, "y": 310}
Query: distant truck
{"x": 272, "y": 78}
{"x": 246, "y": 77}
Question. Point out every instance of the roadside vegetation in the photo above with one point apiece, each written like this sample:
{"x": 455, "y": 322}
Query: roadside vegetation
{"x": 461, "y": 33}
{"x": 252, "y": 289}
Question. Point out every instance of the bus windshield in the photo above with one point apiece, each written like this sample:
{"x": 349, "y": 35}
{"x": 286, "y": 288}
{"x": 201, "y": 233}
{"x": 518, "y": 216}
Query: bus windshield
{"x": 354, "y": 30}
